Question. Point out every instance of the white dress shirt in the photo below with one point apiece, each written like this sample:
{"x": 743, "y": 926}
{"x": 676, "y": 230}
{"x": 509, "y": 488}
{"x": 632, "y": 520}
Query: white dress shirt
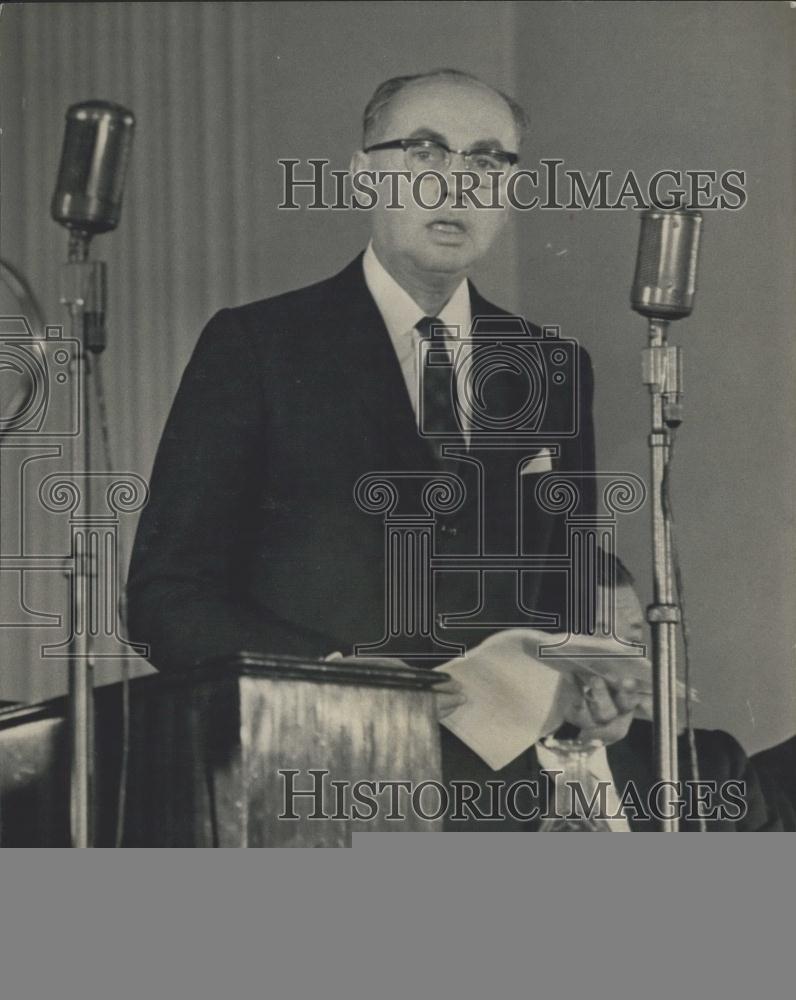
{"x": 401, "y": 314}
{"x": 600, "y": 769}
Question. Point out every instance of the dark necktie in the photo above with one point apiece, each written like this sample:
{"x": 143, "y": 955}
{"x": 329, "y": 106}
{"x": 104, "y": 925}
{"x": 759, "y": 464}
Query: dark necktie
{"x": 437, "y": 389}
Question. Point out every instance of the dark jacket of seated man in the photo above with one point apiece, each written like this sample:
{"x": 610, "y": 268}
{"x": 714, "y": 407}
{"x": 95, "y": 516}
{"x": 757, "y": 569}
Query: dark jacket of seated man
{"x": 741, "y": 807}
{"x": 776, "y": 768}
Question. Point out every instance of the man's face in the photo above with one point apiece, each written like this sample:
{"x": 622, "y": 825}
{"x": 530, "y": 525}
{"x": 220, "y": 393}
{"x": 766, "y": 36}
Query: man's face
{"x": 628, "y": 616}
{"x": 445, "y": 240}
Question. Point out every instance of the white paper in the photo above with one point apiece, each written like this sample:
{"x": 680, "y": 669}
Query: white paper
{"x": 512, "y": 698}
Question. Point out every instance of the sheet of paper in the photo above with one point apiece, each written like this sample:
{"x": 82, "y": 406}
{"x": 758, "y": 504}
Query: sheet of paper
{"x": 512, "y": 699}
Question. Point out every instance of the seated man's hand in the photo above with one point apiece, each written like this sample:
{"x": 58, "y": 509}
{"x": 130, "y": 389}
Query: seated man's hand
{"x": 602, "y": 709}
{"x": 450, "y": 696}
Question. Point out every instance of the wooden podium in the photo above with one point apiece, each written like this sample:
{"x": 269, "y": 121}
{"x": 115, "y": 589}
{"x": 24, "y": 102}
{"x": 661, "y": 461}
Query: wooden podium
{"x": 213, "y": 753}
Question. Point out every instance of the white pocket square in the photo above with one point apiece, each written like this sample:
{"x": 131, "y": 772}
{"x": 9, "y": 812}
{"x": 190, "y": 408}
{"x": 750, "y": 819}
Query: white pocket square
{"x": 542, "y": 461}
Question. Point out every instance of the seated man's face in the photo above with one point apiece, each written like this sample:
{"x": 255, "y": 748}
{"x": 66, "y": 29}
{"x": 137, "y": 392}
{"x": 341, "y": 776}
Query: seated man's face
{"x": 628, "y": 616}
{"x": 449, "y": 240}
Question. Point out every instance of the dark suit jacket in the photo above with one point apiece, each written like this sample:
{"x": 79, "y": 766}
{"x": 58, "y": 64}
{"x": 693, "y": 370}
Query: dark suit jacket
{"x": 776, "y": 768}
{"x": 720, "y": 758}
{"x": 251, "y": 538}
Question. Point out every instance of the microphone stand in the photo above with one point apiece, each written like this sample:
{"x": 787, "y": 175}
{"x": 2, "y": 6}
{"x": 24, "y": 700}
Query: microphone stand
{"x": 662, "y": 373}
{"x": 83, "y": 293}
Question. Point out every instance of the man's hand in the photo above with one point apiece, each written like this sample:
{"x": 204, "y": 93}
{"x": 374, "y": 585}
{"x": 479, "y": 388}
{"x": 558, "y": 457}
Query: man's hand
{"x": 450, "y": 696}
{"x": 602, "y": 709}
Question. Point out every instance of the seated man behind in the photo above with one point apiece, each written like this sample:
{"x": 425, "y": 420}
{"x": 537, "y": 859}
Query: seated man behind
{"x": 593, "y": 712}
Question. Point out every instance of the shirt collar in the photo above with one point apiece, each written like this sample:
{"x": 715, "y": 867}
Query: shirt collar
{"x": 597, "y": 763}
{"x": 400, "y": 311}
{"x": 600, "y": 769}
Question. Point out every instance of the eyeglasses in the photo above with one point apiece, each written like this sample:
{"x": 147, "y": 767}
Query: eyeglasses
{"x": 427, "y": 154}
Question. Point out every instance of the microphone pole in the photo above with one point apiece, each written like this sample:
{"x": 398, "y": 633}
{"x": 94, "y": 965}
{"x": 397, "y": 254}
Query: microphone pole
{"x": 663, "y": 290}
{"x": 87, "y": 201}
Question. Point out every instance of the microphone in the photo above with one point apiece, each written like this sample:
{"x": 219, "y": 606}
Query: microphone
{"x": 97, "y": 144}
{"x": 665, "y": 281}
{"x": 88, "y": 200}
{"x": 663, "y": 289}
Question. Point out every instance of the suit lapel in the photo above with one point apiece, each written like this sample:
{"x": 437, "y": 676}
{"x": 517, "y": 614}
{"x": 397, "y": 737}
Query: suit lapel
{"x": 366, "y": 360}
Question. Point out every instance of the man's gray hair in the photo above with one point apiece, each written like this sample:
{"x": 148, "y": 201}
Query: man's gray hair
{"x": 385, "y": 92}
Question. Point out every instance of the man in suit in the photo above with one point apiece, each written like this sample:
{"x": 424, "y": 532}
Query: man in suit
{"x": 251, "y": 539}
